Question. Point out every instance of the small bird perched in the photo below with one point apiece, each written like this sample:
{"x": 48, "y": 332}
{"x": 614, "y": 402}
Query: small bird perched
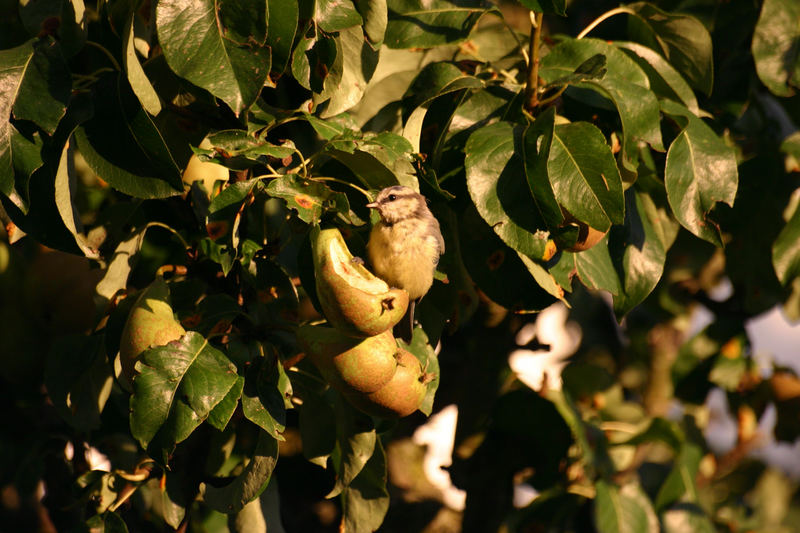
{"x": 404, "y": 246}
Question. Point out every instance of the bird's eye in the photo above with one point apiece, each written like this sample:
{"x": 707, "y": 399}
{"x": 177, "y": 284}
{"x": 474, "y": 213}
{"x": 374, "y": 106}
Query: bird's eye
{"x": 392, "y": 198}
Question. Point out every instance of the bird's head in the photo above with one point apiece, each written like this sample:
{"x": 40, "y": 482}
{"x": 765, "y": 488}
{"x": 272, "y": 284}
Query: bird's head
{"x": 398, "y": 203}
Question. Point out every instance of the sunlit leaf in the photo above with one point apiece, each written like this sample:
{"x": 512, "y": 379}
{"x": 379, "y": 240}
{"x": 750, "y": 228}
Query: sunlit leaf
{"x": 623, "y": 510}
{"x": 413, "y": 23}
{"x": 700, "y": 171}
{"x": 776, "y": 46}
{"x": 227, "y": 59}
{"x": 365, "y": 501}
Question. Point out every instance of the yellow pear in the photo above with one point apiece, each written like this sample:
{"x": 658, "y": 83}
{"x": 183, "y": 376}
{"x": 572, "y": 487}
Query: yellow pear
{"x": 353, "y": 299}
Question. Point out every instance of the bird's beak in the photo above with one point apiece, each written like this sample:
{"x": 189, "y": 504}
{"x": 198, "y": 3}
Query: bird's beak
{"x": 372, "y": 205}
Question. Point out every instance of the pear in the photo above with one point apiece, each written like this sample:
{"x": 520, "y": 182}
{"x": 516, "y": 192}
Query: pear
{"x": 587, "y": 235}
{"x": 353, "y": 299}
{"x": 402, "y": 395}
{"x": 150, "y": 323}
{"x": 350, "y": 364}
{"x": 204, "y": 171}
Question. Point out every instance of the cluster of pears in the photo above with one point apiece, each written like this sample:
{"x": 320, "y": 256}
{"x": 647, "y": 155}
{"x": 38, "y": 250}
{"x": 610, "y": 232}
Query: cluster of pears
{"x": 358, "y": 355}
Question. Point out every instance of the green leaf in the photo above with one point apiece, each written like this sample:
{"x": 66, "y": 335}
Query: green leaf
{"x": 538, "y": 139}
{"x": 786, "y": 250}
{"x": 665, "y": 81}
{"x": 680, "y": 482}
{"x": 248, "y": 485}
{"x": 265, "y": 388}
{"x": 435, "y": 80}
{"x": 65, "y": 190}
{"x": 177, "y": 387}
{"x": 36, "y": 81}
{"x": 309, "y": 199}
{"x": 623, "y": 510}
{"x": 640, "y": 250}
{"x": 418, "y": 24}
{"x": 625, "y": 84}
{"x": 584, "y": 175}
{"x": 365, "y": 501}
{"x": 359, "y": 60}
{"x": 595, "y": 268}
{"x": 136, "y": 77}
{"x": 776, "y": 46}
{"x": 226, "y": 57}
{"x": 221, "y": 414}
{"x": 700, "y": 171}
{"x": 422, "y": 350}
{"x": 25, "y": 156}
{"x": 78, "y": 380}
{"x": 65, "y": 20}
{"x": 336, "y": 15}
{"x": 317, "y": 427}
{"x": 377, "y": 161}
{"x": 682, "y": 39}
{"x": 282, "y": 27}
{"x": 36, "y": 86}
{"x": 497, "y": 269}
{"x": 494, "y": 168}
{"x": 250, "y": 518}
{"x": 123, "y": 146}
{"x": 376, "y": 16}
{"x": 355, "y": 444}
{"x": 239, "y": 150}
{"x": 313, "y": 60}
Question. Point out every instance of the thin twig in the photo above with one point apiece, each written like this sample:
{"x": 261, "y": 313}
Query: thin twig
{"x": 601, "y": 18}
{"x": 532, "y": 86}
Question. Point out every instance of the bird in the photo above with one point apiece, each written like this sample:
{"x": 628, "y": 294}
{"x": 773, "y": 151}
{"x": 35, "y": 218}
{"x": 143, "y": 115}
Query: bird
{"x": 404, "y": 246}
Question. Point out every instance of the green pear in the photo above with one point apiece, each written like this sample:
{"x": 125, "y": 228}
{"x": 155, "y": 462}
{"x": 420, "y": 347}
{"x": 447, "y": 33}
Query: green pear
{"x": 402, "y": 395}
{"x": 150, "y": 323}
{"x": 353, "y": 299}
{"x": 350, "y": 364}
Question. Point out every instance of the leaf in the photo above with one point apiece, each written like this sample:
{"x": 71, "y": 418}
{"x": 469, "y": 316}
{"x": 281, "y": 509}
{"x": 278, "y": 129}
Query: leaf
{"x": 680, "y": 482}
{"x": 776, "y": 46}
{"x": 250, "y": 518}
{"x": 317, "y": 428}
{"x": 313, "y": 60}
{"x": 682, "y": 39}
{"x": 65, "y": 185}
{"x": 221, "y": 414}
{"x": 434, "y": 81}
{"x": 422, "y": 350}
{"x": 336, "y": 15}
{"x": 503, "y": 200}
{"x": 365, "y": 501}
{"x": 265, "y": 388}
{"x": 584, "y": 175}
{"x": 36, "y": 81}
{"x": 538, "y": 139}
{"x": 376, "y": 18}
{"x": 419, "y": 24}
{"x": 124, "y": 147}
{"x": 25, "y": 156}
{"x": 665, "y": 81}
{"x": 592, "y": 68}
{"x": 248, "y": 485}
{"x": 78, "y": 380}
{"x": 497, "y": 269}
{"x": 378, "y": 161}
{"x": 700, "y": 171}
{"x": 282, "y": 26}
{"x": 229, "y": 60}
{"x": 355, "y": 444}
{"x": 625, "y": 84}
{"x": 136, "y": 76}
{"x": 177, "y": 387}
{"x": 623, "y": 510}
{"x": 359, "y": 60}
{"x": 786, "y": 250}
{"x": 239, "y": 150}
{"x": 309, "y": 199}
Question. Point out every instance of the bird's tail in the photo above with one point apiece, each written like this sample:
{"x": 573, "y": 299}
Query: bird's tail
{"x": 405, "y": 328}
